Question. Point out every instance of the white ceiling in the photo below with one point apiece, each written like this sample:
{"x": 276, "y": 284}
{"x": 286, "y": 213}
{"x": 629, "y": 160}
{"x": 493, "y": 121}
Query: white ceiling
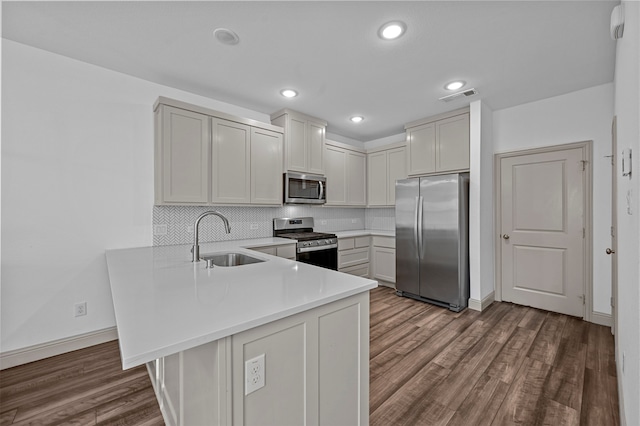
{"x": 512, "y": 52}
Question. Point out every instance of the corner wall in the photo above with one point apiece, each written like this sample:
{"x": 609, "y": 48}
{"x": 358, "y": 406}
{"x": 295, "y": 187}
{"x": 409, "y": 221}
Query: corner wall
{"x": 627, "y": 110}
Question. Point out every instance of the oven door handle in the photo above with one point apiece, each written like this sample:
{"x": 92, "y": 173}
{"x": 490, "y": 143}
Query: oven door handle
{"x": 317, "y": 248}
{"x": 321, "y": 194}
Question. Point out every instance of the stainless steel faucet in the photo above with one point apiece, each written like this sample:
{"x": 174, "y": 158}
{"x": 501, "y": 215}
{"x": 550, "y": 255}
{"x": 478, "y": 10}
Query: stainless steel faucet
{"x": 195, "y": 250}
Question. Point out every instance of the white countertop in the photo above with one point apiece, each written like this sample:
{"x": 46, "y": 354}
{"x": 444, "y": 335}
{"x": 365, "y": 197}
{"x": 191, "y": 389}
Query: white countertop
{"x": 165, "y": 304}
{"x": 365, "y": 232}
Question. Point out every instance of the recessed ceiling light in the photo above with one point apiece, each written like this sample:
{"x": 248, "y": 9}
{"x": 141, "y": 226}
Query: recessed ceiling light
{"x": 356, "y": 118}
{"x": 226, "y": 36}
{"x": 288, "y": 93}
{"x": 455, "y": 85}
{"x": 392, "y": 30}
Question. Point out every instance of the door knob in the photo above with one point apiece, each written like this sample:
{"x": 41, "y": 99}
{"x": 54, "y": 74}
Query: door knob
{"x": 609, "y": 251}
{"x": 505, "y": 236}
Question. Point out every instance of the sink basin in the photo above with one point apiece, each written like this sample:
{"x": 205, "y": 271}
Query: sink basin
{"x": 229, "y": 259}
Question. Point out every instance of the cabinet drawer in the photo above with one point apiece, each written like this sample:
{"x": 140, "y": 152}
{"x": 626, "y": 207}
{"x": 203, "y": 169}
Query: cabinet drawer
{"x": 362, "y": 242}
{"x": 346, "y": 243}
{"x": 357, "y": 270}
{"x": 288, "y": 251}
{"x": 389, "y": 242}
{"x": 353, "y": 257}
{"x": 266, "y": 250}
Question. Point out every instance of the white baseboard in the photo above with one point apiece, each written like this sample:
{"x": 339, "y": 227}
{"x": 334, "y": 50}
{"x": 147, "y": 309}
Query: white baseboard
{"x": 601, "y": 319}
{"x": 481, "y": 305}
{"x": 45, "y": 350}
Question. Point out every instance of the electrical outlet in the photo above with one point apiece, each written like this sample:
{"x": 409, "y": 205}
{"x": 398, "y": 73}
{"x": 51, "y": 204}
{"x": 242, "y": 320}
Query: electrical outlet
{"x": 254, "y": 374}
{"x": 80, "y": 309}
{"x": 253, "y": 226}
{"x": 354, "y": 220}
{"x": 323, "y": 222}
{"x": 159, "y": 229}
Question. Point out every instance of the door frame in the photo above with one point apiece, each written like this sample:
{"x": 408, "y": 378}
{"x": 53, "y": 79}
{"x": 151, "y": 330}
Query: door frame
{"x": 587, "y": 177}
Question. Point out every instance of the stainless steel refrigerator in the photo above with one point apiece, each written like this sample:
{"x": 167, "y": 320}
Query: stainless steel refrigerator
{"x": 432, "y": 239}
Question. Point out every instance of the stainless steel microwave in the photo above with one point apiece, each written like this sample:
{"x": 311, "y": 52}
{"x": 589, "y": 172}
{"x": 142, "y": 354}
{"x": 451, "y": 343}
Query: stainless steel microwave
{"x": 302, "y": 188}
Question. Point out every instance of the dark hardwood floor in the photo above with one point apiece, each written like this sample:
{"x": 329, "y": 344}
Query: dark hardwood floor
{"x": 507, "y": 365}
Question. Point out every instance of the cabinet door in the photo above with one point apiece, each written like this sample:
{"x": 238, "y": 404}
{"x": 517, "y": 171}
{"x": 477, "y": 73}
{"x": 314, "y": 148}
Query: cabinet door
{"x": 184, "y": 155}
{"x": 377, "y": 178}
{"x": 421, "y": 149}
{"x": 453, "y": 143}
{"x": 230, "y": 172}
{"x": 266, "y": 167}
{"x": 356, "y": 179}
{"x": 396, "y": 169}
{"x": 384, "y": 264}
{"x": 297, "y": 146}
{"x": 336, "y": 175}
{"x": 316, "y": 148}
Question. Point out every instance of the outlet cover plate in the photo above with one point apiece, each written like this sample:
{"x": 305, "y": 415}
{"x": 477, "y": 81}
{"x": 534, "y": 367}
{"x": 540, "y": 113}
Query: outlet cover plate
{"x": 254, "y": 374}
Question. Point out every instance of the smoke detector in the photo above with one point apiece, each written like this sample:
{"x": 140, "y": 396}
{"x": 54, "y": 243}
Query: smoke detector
{"x": 226, "y": 36}
{"x": 466, "y": 93}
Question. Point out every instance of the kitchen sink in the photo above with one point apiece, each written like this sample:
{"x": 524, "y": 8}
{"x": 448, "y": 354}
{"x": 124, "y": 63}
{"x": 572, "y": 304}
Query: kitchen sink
{"x": 229, "y": 259}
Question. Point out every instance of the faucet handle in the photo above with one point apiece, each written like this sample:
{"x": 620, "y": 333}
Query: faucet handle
{"x": 209, "y": 263}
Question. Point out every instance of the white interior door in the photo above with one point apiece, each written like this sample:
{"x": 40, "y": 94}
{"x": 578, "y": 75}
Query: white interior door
{"x": 542, "y": 230}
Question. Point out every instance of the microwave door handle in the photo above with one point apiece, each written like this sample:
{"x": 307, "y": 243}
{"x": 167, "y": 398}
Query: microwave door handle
{"x": 320, "y": 196}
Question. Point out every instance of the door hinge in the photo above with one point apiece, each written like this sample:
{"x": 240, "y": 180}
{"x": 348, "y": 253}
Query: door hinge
{"x": 584, "y": 300}
{"x": 613, "y": 233}
{"x": 612, "y": 303}
{"x": 584, "y": 164}
{"x": 584, "y": 233}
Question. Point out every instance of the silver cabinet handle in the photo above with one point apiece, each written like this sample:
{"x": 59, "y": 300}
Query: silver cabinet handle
{"x": 609, "y": 251}
{"x": 505, "y": 236}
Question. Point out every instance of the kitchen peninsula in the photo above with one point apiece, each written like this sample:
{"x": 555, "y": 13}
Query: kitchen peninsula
{"x": 199, "y": 331}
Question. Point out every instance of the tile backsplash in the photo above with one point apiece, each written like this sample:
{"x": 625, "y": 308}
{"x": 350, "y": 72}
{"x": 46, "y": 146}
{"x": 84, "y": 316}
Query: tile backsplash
{"x": 172, "y": 224}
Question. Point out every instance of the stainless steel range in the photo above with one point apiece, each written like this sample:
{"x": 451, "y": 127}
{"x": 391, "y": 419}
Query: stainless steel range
{"x": 315, "y": 248}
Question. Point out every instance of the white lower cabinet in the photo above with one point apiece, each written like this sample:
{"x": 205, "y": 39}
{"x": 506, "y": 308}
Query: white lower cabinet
{"x": 383, "y": 253}
{"x": 307, "y": 381}
{"x": 353, "y": 255}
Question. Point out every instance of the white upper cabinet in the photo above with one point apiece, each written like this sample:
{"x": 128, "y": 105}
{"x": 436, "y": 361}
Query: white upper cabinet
{"x": 266, "y": 158}
{"x": 205, "y": 157}
{"x": 304, "y": 140}
{"x": 182, "y": 152}
{"x": 384, "y": 167}
{"x": 438, "y": 144}
{"x": 231, "y": 161}
{"x": 346, "y": 173}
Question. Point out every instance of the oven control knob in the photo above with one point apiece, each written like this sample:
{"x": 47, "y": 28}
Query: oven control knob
{"x": 327, "y": 242}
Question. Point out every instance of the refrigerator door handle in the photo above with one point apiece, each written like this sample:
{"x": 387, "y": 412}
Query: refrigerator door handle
{"x": 415, "y": 227}
{"x": 419, "y": 227}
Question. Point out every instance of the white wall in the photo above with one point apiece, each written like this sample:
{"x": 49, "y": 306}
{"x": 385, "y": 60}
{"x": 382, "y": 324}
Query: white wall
{"x": 77, "y": 178}
{"x": 627, "y": 110}
{"x": 574, "y": 117}
{"x": 481, "y": 235}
